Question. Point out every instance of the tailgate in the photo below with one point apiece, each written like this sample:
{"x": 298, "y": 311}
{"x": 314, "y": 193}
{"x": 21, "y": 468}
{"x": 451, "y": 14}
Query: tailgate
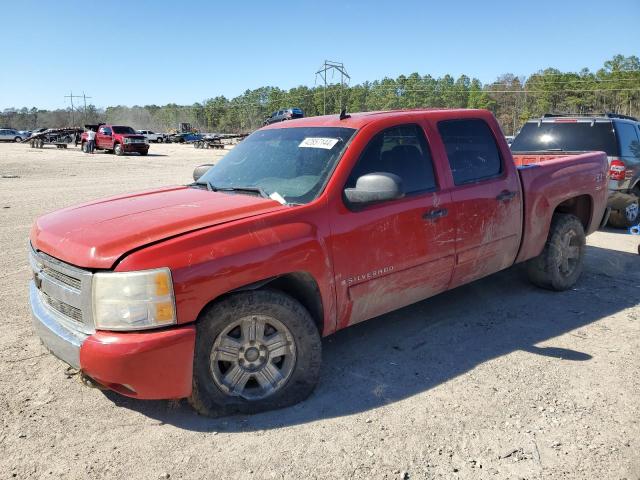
{"x": 534, "y": 158}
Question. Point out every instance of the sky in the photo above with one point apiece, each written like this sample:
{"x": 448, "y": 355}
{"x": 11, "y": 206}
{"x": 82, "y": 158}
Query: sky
{"x": 157, "y": 52}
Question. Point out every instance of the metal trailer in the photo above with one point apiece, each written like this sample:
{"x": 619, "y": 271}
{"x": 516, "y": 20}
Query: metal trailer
{"x": 219, "y": 141}
{"x": 60, "y": 137}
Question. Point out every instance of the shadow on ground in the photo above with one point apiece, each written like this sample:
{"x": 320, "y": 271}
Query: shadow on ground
{"x": 414, "y": 349}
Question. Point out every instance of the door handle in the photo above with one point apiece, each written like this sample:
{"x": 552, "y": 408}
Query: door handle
{"x": 435, "y": 214}
{"x": 505, "y": 195}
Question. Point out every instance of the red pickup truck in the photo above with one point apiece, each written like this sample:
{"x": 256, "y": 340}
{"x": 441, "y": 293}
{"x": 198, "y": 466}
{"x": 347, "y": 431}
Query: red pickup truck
{"x": 220, "y": 290}
{"x": 118, "y": 139}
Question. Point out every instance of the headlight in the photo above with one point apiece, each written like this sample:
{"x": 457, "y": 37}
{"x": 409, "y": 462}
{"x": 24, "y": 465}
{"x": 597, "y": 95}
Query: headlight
{"x": 133, "y": 300}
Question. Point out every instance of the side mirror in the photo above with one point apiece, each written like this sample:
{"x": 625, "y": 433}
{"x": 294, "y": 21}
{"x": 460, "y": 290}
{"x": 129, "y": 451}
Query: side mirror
{"x": 200, "y": 170}
{"x": 375, "y": 187}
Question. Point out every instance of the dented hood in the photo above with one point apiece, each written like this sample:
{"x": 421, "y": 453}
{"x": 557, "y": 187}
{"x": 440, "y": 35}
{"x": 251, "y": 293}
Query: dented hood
{"x": 97, "y": 234}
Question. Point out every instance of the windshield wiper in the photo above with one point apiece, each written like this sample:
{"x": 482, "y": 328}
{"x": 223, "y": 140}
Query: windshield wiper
{"x": 257, "y": 190}
{"x": 213, "y": 188}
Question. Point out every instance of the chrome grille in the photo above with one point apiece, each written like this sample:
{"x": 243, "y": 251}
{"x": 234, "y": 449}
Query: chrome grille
{"x": 63, "y": 308}
{"x": 65, "y": 290}
{"x": 66, "y": 279}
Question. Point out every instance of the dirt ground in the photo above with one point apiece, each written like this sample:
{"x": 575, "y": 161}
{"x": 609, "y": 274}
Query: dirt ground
{"x": 494, "y": 380}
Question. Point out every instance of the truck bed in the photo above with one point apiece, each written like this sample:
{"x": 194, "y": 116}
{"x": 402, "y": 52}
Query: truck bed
{"x": 544, "y": 185}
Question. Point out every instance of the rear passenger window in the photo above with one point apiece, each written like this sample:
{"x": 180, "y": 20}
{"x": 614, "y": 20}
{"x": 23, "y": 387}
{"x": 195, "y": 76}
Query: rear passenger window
{"x": 401, "y": 150}
{"x": 628, "y": 138}
{"x": 472, "y": 150}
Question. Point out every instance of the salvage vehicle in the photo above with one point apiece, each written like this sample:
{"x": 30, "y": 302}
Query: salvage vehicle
{"x": 282, "y": 115}
{"x": 118, "y": 139}
{"x": 220, "y": 291}
{"x": 615, "y": 134}
{"x": 184, "y": 137}
{"x": 12, "y": 135}
{"x": 152, "y": 136}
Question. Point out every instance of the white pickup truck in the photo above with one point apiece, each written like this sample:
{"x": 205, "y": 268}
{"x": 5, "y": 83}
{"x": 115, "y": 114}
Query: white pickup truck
{"x": 151, "y": 136}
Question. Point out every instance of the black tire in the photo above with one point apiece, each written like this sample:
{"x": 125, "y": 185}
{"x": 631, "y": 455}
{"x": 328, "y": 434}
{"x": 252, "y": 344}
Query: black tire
{"x": 117, "y": 149}
{"x": 209, "y": 399}
{"x": 627, "y": 217}
{"x": 159, "y": 140}
{"x": 548, "y": 270}
{"x": 144, "y": 153}
{"x": 17, "y": 139}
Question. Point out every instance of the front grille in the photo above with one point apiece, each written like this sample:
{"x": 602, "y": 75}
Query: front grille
{"x": 63, "y": 308}
{"x": 63, "y": 278}
{"x": 64, "y": 289}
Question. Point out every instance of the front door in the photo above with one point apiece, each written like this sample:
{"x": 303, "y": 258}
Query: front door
{"x": 398, "y": 252}
{"x": 486, "y": 200}
{"x": 104, "y": 138}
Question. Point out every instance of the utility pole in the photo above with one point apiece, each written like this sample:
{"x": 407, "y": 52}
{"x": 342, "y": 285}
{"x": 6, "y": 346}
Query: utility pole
{"x": 71, "y": 96}
{"x": 85, "y": 106}
{"x": 332, "y": 66}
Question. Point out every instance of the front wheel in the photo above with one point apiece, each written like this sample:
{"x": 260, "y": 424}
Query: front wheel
{"x": 159, "y": 140}
{"x": 559, "y": 265}
{"x": 117, "y": 149}
{"x": 255, "y": 351}
{"x": 17, "y": 139}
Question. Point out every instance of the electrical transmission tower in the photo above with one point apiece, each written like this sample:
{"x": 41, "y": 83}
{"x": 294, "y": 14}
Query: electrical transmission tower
{"x": 71, "y": 96}
{"x": 333, "y": 67}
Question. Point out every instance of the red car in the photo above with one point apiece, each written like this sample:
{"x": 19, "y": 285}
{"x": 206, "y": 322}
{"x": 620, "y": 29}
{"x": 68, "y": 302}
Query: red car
{"x": 118, "y": 139}
{"x": 220, "y": 290}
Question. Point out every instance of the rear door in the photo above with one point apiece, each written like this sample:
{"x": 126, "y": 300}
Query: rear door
{"x": 486, "y": 199}
{"x": 398, "y": 252}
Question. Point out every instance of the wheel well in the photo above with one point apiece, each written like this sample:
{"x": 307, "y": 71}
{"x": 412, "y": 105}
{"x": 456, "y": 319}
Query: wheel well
{"x": 299, "y": 285}
{"x": 580, "y": 207}
{"x": 302, "y": 287}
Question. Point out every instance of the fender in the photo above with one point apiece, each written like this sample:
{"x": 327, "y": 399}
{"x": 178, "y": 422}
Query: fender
{"x": 211, "y": 262}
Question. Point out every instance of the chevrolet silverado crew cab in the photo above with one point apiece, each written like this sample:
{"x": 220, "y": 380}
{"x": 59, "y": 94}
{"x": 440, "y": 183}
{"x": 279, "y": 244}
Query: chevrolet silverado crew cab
{"x": 118, "y": 139}
{"x": 617, "y": 135}
{"x": 220, "y": 291}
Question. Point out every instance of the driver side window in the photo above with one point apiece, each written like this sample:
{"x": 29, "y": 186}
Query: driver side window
{"x": 403, "y": 151}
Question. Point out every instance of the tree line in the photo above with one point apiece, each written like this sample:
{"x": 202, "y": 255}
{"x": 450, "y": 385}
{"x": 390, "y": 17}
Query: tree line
{"x": 613, "y": 88}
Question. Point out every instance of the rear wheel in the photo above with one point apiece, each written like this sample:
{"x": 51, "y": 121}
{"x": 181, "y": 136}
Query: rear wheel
{"x": 626, "y": 217}
{"x": 255, "y": 351}
{"x": 560, "y": 264}
{"x": 117, "y": 149}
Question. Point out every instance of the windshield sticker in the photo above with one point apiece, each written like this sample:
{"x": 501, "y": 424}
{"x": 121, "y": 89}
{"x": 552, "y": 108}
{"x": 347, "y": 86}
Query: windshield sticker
{"x": 319, "y": 142}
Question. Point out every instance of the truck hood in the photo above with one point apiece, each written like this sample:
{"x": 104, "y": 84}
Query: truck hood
{"x": 97, "y": 234}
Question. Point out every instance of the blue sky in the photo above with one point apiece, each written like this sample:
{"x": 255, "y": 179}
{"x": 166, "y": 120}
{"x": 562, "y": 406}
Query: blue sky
{"x": 144, "y": 52}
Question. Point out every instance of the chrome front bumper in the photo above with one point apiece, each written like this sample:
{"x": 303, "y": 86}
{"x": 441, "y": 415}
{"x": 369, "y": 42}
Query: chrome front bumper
{"x": 56, "y": 333}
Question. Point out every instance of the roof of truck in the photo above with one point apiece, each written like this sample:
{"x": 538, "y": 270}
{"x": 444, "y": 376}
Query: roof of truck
{"x": 360, "y": 119}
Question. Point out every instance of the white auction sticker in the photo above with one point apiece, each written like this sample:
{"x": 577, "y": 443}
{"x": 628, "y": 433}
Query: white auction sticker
{"x": 319, "y": 142}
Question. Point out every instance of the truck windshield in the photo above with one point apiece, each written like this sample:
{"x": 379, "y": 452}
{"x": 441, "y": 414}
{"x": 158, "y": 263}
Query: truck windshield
{"x": 292, "y": 163}
{"x": 567, "y": 137}
{"x": 124, "y": 130}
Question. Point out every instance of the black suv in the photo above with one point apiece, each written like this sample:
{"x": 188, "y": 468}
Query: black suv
{"x": 616, "y": 135}
{"x": 282, "y": 115}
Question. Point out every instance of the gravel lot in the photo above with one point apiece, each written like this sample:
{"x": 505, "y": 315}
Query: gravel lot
{"x": 493, "y": 380}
